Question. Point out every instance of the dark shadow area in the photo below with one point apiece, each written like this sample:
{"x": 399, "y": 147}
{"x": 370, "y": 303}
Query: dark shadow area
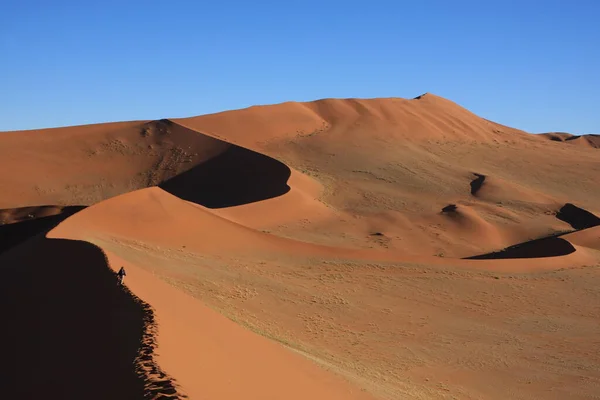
{"x": 235, "y": 177}
{"x": 450, "y": 208}
{"x": 69, "y": 331}
{"x": 551, "y": 246}
{"x": 577, "y": 217}
{"x": 589, "y": 135}
{"x": 477, "y": 183}
{"x": 17, "y": 232}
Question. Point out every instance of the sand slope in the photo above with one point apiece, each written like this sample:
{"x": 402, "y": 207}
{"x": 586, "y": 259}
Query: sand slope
{"x": 209, "y": 355}
{"x": 371, "y": 237}
{"x": 587, "y": 238}
{"x": 429, "y": 151}
{"x": 225, "y": 264}
{"x": 213, "y": 357}
{"x": 83, "y": 165}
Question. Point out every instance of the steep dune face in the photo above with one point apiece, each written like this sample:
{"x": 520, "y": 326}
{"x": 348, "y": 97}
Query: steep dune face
{"x": 577, "y": 217}
{"x": 83, "y": 165}
{"x": 68, "y": 331}
{"x": 299, "y": 207}
{"x": 236, "y": 176}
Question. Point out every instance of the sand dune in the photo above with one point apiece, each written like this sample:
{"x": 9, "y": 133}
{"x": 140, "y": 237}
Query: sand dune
{"x": 341, "y": 248}
{"x": 131, "y": 220}
{"x": 555, "y": 245}
{"x": 427, "y": 151}
{"x": 204, "y": 263}
{"x": 118, "y": 158}
{"x": 210, "y": 355}
{"x": 428, "y": 117}
{"x": 552, "y": 246}
{"x": 590, "y": 140}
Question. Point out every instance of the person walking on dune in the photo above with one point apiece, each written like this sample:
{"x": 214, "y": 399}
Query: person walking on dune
{"x": 121, "y": 274}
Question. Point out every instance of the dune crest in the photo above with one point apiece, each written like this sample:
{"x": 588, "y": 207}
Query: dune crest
{"x": 429, "y": 117}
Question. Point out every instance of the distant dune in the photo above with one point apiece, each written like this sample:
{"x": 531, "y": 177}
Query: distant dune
{"x": 591, "y": 140}
{"x": 335, "y": 249}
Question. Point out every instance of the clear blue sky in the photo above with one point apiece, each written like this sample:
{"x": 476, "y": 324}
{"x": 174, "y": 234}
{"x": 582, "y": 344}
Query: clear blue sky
{"x": 534, "y": 65}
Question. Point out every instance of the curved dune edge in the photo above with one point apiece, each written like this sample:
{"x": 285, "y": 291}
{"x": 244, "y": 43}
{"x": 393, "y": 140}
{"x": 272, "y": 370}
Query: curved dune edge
{"x": 298, "y": 204}
{"x": 206, "y": 354}
{"x": 210, "y": 356}
{"x": 136, "y": 215}
{"x": 589, "y": 238}
{"x": 325, "y": 116}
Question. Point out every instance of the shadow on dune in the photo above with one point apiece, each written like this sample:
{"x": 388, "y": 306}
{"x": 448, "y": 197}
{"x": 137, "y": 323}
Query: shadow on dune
{"x": 235, "y": 177}
{"x": 577, "y": 217}
{"x": 69, "y": 331}
{"x": 551, "y": 246}
{"x": 15, "y": 233}
{"x": 477, "y": 183}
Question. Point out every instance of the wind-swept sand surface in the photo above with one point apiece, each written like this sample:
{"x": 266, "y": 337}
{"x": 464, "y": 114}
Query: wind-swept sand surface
{"x": 368, "y": 249}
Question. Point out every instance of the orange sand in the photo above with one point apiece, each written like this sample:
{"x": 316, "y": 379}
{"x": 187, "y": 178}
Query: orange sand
{"x": 342, "y": 248}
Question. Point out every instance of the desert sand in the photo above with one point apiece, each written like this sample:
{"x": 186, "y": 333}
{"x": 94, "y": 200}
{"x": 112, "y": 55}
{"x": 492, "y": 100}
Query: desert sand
{"x": 337, "y": 249}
